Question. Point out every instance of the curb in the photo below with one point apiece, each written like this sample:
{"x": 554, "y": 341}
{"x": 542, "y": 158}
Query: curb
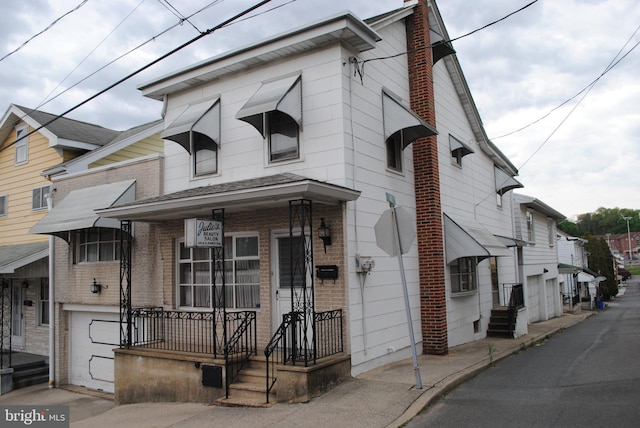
{"x": 436, "y": 392}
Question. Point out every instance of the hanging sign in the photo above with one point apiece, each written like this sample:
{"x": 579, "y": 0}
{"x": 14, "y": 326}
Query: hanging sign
{"x": 202, "y": 233}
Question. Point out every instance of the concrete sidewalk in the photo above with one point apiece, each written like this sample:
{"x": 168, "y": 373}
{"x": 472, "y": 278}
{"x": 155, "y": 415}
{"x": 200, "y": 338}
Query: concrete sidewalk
{"x": 383, "y": 397}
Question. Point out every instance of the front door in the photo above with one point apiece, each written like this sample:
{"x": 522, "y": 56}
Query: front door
{"x": 17, "y": 316}
{"x": 281, "y": 280}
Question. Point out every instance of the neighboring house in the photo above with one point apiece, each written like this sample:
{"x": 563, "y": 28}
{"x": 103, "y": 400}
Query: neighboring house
{"x": 28, "y": 145}
{"x": 535, "y": 223}
{"x": 257, "y": 247}
{"x": 572, "y": 261}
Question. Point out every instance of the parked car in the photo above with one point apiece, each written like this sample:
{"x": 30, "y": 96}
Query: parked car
{"x": 623, "y": 273}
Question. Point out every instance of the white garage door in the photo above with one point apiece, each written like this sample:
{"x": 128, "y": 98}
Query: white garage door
{"x": 92, "y": 338}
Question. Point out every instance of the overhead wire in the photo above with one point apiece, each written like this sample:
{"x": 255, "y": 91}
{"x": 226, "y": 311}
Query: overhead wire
{"x": 177, "y": 13}
{"x": 141, "y": 69}
{"x": 43, "y": 31}
{"x": 44, "y": 100}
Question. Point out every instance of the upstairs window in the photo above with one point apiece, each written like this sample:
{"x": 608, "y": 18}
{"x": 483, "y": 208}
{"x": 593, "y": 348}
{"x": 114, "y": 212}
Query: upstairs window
{"x": 22, "y": 145}
{"x": 275, "y": 110}
{"x": 39, "y": 198}
{"x": 284, "y": 142}
{"x": 401, "y": 127}
{"x": 458, "y": 150}
{"x": 551, "y": 232}
{"x": 530, "y": 227}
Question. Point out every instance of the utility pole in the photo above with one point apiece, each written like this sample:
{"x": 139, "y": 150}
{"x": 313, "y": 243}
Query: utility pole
{"x": 628, "y": 236}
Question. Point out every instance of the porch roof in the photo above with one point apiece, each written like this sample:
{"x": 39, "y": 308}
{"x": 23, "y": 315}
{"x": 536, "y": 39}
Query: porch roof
{"x": 271, "y": 191}
{"x": 567, "y": 268}
{"x": 468, "y": 238}
{"x": 77, "y": 209}
{"x": 16, "y": 256}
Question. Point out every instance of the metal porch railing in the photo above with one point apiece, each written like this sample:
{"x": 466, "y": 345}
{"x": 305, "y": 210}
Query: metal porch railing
{"x": 284, "y": 347}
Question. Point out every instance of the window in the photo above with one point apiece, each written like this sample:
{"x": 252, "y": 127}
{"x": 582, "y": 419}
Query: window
{"x": 530, "y": 231}
{"x": 458, "y": 150}
{"x": 242, "y": 269}
{"x": 22, "y": 145}
{"x": 463, "y": 275}
{"x": 3, "y": 205}
{"x": 43, "y": 306}
{"x": 551, "y": 232}
{"x": 40, "y": 198}
{"x": 394, "y": 152}
{"x": 283, "y": 136}
{"x": 205, "y": 155}
{"x": 98, "y": 244}
{"x": 499, "y": 198}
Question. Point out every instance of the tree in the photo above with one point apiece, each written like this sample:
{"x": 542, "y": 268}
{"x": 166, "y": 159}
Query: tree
{"x": 603, "y": 221}
{"x": 601, "y": 261}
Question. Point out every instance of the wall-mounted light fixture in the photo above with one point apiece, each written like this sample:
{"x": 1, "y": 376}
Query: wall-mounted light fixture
{"x": 324, "y": 233}
{"x": 95, "y": 287}
{"x": 545, "y": 270}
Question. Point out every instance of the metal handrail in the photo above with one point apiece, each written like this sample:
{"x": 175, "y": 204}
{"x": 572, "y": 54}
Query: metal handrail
{"x": 269, "y": 351}
{"x": 242, "y": 344}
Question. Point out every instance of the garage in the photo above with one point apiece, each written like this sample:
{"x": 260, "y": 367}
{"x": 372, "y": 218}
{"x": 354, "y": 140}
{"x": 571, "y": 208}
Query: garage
{"x": 92, "y": 337}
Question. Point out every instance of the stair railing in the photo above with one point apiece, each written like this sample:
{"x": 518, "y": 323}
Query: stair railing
{"x": 241, "y": 345}
{"x": 278, "y": 340}
{"x": 516, "y": 301}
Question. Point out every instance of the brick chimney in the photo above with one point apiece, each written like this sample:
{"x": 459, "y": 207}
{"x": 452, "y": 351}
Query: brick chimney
{"x": 433, "y": 304}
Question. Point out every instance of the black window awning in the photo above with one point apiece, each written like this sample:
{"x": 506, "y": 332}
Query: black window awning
{"x": 202, "y": 117}
{"x": 397, "y": 117}
{"x": 283, "y": 94}
{"x": 77, "y": 210}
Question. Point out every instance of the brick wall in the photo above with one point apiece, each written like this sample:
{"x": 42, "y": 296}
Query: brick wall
{"x": 433, "y": 308}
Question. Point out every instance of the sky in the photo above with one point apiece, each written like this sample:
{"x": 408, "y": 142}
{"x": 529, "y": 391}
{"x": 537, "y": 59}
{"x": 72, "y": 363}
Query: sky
{"x": 557, "y": 84}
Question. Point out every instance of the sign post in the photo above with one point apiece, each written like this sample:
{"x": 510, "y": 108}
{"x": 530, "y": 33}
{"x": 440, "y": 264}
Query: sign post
{"x": 400, "y": 246}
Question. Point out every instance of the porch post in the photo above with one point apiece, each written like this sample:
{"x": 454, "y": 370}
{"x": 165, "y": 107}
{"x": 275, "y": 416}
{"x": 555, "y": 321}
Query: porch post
{"x": 125, "y": 284}
{"x": 219, "y": 296}
{"x": 301, "y": 274}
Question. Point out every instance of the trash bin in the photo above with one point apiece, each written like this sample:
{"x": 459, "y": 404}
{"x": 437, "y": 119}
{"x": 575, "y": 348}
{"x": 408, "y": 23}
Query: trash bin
{"x": 600, "y": 304}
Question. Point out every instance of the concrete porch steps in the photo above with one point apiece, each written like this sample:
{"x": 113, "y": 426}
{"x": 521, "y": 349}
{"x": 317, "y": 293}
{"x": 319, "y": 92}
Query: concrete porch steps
{"x": 499, "y": 323}
{"x": 250, "y": 386}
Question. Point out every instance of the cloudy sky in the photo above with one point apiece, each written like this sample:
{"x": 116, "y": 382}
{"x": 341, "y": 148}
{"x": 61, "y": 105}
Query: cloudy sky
{"x": 576, "y": 143}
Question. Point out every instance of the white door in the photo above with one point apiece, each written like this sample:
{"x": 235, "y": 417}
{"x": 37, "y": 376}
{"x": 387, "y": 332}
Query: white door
{"x": 281, "y": 286}
{"x": 93, "y": 336}
{"x": 17, "y": 316}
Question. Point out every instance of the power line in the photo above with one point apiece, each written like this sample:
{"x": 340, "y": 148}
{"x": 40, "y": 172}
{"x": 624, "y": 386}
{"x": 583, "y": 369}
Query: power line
{"x": 141, "y": 69}
{"x": 47, "y": 28}
{"x": 175, "y": 11}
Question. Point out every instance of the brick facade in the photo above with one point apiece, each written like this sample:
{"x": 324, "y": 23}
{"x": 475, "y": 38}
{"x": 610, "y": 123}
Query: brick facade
{"x": 433, "y": 306}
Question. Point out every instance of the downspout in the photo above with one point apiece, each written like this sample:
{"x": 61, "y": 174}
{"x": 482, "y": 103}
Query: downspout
{"x": 52, "y": 323}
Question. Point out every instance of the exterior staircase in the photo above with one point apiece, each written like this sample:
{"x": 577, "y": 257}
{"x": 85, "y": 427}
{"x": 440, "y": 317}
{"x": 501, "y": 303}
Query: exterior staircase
{"x": 30, "y": 373}
{"x": 501, "y": 324}
{"x": 249, "y": 389}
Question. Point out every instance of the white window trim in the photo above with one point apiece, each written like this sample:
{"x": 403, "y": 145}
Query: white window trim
{"x": 193, "y": 308}
{"x": 44, "y": 198}
{"x": 22, "y": 143}
{"x": 530, "y": 223}
{"x": 267, "y": 142}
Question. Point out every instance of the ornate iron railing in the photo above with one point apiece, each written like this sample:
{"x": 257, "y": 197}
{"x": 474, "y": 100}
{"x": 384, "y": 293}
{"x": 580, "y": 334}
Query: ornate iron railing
{"x": 241, "y": 345}
{"x": 193, "y": 332}
{"x": 285, "y": 348}
{"x": 5, "y": 324}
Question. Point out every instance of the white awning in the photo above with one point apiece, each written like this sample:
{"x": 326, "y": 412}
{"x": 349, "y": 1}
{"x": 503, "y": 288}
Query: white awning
{"x": 504, "y": 182}
{"x": 77, "y": 210}
{"x": 585, "y": 277}
{"x": 456, "y": 145}
{"x": 202, "y": 117}
{"x": 468, "y": 238}
{"x": 397, "y": 117}
{"x": 283, "y": 94}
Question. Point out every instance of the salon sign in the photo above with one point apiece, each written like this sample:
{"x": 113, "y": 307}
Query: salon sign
{"x": 202, "y": 233}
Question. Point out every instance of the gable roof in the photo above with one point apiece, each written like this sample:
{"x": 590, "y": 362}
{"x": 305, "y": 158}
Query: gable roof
{"x": 62, "y": 132}
{"x": 122, "y": 140}
{"x": 537, "y": 205}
